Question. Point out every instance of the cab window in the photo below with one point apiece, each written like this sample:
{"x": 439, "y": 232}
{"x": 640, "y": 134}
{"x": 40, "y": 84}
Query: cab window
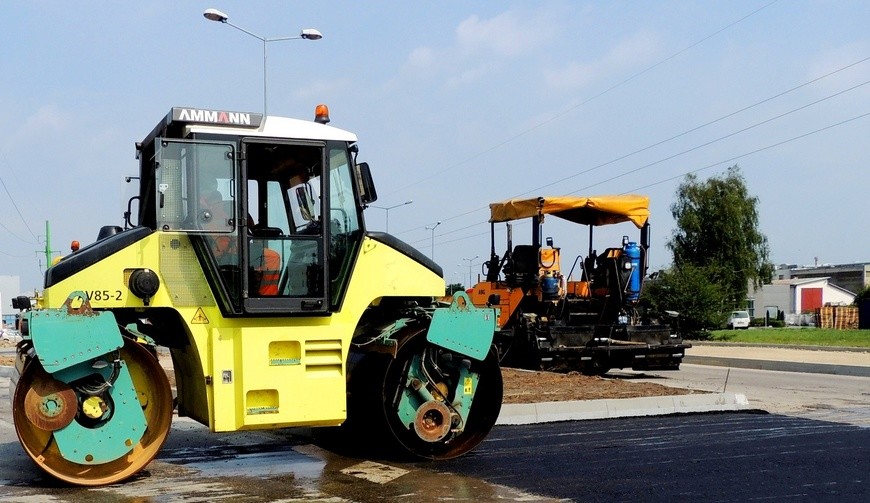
{"x": 344, "y": 222}
{"x": 285, "y": 241}
{"x": 195, "y": 186}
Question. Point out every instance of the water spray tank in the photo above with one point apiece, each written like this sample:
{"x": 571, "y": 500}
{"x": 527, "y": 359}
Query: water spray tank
{"x": 549, "y": 286}
{"x": 632, "y": 251}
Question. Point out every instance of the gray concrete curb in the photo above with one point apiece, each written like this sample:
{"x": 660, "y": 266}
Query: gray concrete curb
{"x": 780, "y": 366}
{"x": 723, "y": 344}
{"x": 547, "y": 412}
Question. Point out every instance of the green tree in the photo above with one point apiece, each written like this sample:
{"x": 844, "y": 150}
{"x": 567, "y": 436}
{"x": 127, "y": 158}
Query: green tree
{"x": 687, "y": 290}
{"x": 717, "y": 230}
{"x": 454, "y": 287}
{"x": 862, "y": 295}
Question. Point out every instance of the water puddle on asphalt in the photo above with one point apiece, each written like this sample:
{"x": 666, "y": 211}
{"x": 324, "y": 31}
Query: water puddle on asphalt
{"x": 267, "y": 464}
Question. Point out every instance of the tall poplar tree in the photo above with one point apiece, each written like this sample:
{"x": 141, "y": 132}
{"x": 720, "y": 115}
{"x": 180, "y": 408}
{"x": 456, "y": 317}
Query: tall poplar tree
{"x": 717, "y": 231}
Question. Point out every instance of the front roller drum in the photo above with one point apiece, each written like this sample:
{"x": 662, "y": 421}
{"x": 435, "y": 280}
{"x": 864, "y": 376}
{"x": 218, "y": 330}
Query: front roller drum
{"x": 43, "y": 405}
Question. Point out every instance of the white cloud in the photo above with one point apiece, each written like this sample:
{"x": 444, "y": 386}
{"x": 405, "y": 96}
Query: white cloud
{"x": 508, "y": 34}
{"x": 572, "y": 76}
{"x": 46, "y": 119}
{"x": 319, "y": 89}
{"x": 636, "y": 50}
{"x": 839, "y": 57}
{"x": 468, "y": 76}
{"x": 482, "y": 45}
{"x": 630, "y": 54}
{"x": 422, "y": 57}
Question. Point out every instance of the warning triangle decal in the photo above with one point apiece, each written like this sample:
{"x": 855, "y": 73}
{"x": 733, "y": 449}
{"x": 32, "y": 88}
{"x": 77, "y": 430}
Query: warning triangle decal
{"x": 200, "y": 317}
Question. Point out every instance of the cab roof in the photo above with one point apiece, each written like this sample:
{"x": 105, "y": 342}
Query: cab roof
{"x": 181, "y": 122}
{"x": 593, "y": 210}
{"x": 280, "y": 127}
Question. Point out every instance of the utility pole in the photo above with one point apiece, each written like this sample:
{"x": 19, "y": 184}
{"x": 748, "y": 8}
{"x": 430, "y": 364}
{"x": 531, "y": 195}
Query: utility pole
{"x": 47, "y": 245}
{"x": 47, "y": 251}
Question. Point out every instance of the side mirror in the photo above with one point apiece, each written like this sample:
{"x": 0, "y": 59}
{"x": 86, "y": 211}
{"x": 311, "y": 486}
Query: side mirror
{"x": 22, "y": 302}
{"x": 367, "y": 192}
{"x": 305, "y": 199}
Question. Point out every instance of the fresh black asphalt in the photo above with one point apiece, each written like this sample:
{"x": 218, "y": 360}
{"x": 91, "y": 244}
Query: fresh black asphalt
{"x": 703, "y": 457}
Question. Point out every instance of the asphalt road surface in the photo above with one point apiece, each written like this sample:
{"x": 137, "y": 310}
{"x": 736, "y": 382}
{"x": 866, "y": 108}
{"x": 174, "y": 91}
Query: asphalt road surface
{"x": 840, "y": 398}
{"x": 709, "y": 457}
{"x": 705, "y": 457}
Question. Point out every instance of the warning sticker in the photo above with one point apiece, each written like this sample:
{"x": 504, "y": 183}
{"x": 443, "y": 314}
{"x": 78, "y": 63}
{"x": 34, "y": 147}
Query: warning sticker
{"x": 199, "y": 317}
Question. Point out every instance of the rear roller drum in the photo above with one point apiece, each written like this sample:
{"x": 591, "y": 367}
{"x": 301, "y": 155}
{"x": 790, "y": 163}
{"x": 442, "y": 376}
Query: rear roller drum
{"x": 413, "y": 403}
{"x": 44, "y": 407}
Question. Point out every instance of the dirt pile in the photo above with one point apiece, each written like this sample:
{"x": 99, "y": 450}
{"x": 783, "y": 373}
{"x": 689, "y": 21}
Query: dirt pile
{"x": 525, "y": 386}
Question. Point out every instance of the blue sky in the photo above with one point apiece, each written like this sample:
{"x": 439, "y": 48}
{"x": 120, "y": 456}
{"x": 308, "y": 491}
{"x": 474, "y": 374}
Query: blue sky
{"x": 457, "y": 104}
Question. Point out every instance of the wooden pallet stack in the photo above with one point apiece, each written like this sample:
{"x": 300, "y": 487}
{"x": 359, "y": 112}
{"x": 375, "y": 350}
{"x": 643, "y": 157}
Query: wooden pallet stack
{"x": 838, "y": 317}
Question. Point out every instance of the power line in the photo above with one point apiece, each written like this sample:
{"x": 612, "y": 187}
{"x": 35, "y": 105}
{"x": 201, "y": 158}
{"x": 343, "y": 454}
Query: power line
{"x": 731, "y": 114}
{"x": 8, "y": 230}
{"x": 729, "y": 135}
{"x": 719, "y": 163}
{"x": 12, "y": 200}
{"x": 11, "y": 255}
{"x": 696, "y": 128}
{"x": 584, "y": 102}
{"x": 746, "y": 154}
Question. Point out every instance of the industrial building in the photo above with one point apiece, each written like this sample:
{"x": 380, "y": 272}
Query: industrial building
{"x": 797, "y": 292}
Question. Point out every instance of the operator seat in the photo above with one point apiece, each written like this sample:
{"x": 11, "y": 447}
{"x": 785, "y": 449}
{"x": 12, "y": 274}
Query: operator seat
{"x": 526, "y": 269}
{"x": 266, "y": 263}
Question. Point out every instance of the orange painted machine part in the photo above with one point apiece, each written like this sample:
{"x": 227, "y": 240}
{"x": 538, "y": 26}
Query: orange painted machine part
{"x": 579, "y": 288}
{"x": 509, "y": 298}
{"x": 549, "y": 260}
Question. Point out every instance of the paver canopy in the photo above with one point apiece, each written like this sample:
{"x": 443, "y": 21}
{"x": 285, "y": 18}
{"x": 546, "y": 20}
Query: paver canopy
{"x": 595, "y": 210}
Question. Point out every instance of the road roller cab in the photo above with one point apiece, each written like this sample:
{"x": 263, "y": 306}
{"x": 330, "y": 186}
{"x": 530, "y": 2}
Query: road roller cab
{"x": 245, "y": 254}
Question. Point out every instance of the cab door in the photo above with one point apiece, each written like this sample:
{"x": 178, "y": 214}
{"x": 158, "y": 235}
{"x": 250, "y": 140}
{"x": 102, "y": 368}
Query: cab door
{"x": 195, "y": 192}
{"x": 285, "y": 239}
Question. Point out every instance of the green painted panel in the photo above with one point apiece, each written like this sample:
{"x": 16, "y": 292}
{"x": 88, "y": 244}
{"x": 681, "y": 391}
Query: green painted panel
{"x": 68, "y": 336}
{"x": 463, "y": 328}
{"x": 112, "y": 439}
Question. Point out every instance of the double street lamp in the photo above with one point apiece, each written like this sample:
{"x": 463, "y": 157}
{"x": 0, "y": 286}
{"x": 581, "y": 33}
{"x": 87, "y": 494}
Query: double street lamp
{"x": 432, "y": 228}
{"x": 388, "y": 208}
{"x": 306, "y": 34}
{"x": 470, "y": 277}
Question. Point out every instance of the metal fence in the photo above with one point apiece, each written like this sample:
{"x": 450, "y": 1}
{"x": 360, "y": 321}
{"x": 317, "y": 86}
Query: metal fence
{"x": 801, "y": 320}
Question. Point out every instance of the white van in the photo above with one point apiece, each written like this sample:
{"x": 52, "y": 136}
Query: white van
{"x": 738, "y": 319}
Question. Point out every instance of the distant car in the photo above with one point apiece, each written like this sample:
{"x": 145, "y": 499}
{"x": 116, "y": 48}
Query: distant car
{"x": 738, "y": 319}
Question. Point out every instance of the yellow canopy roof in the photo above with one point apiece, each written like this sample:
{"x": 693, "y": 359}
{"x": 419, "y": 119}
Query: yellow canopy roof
{"x": 596, "y": 210}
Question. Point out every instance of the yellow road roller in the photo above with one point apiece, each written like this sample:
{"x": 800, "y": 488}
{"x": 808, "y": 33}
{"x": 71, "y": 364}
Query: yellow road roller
{"x": 245, "y": 257}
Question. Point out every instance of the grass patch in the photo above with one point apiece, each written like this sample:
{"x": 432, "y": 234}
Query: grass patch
{"x": 806, "y": 336}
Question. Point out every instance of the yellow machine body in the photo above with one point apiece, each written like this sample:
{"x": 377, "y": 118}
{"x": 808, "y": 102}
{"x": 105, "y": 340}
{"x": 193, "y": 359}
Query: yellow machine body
{"x": 245, "y": 373}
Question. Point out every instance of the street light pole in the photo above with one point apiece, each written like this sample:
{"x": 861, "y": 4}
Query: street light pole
{"x": 470, "y": 279}
{"x": 306, "y": 34}
{"x": 388, "y": 208}
{"x": 432, "y": 228}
